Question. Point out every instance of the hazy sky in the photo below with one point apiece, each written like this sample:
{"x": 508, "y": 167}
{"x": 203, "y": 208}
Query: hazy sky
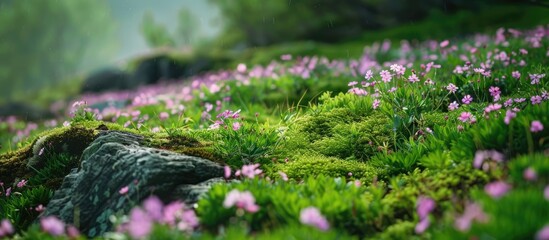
{"x": 129, "y": 14}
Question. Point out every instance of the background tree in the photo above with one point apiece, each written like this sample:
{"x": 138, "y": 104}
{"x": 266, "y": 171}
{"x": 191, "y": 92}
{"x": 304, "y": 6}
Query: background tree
{"x": 156, "y": 35}
{"x": 47, "y": 42}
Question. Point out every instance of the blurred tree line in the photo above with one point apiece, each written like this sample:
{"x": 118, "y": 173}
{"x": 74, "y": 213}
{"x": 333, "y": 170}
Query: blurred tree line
{"x": 157, "y": 35}
{"x": 262, "y": 22}
{"x": 46, "y": 42}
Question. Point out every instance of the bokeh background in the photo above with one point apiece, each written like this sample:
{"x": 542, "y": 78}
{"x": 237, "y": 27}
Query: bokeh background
{"x": 50, "y": 49}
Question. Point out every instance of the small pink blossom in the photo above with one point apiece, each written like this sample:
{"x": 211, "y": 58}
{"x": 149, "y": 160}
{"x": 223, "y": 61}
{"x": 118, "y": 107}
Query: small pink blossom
{"x": 494, "y": 91}
{"x": 154, "y": 207}
{"x": 22, "y": 183}
{"x": 369, "y": 75}
{"x": 227, "y": 170}
{"x": 72, "y": 232}
{"x": 284, "y": 176}
{"x": 124, "y": 190}
{"x": 6, "y": 228}
{"x": 535, "y": 99}
{"x": 530, "y": 174}
{"x": 444, "y": 43}
{"x": 312, "y": 216}
{"x": 536, "y": 126}
{"x": 8, "y": 192}
{"x": 352, "y": 83}
{"x": 453, "y": 106}
{"x": 543, "y": 234}
{"x": 546, "y": 192}
{"x": 243, "y": 200}
{"x": 497, "y": 189}
{"x": 385, "y": 76}
{"x": 515, "y": 74}
{"x": 413, "y": 78}
{"x": 534, "y": 78}
{"x": 376, "y": 103}
{"x": 236, "y": 126}
{"x": 467, "y": 99}
{"x": 40, "y": 208}
{"x": 140, "y": 224}
{"x": 508, "y": 116}
{"x": 451, "y": 88}
{"x": 424, "y": 206}
{"x": 241, "y": 68}
{"x": 482, "y": 155}
{"x": 52, "y": 225}
{"x": 286, "y": 57}
{"x": 163, "y": 116}
{"x": 251, "y": 170}
{"x": 465, "y": 116}
{"x": 422, "y": 225}
{"x": 472, "y": 212}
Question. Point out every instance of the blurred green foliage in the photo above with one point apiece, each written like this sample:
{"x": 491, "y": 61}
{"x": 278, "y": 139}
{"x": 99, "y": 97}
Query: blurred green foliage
{"x": 45, "y": 42}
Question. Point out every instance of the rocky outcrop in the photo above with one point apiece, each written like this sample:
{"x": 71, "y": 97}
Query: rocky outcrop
{"x": 115, "y": 160}
{"x": 108, "y": 79}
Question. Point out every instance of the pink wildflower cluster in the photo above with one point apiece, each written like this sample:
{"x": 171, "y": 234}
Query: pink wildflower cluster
{"x": 248, "y": 171}
{"x": 473, "y": 212}
{"x": 6, "y": 229}
{"x": 55, "y": 227}
{"x": 482, "y": 155}
{"x": 424, "y": 206}
{"x": 242, "y": 200}
{"x": 312, "y": 216}
{"x": 175, "y": 215}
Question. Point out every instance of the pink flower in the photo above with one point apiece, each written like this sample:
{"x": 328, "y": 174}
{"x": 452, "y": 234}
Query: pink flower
{"x": 352, "y": 83}
{"x": 22, "y": 183}
{"x": 398, "y": 69}
{"x": 52, "y": 225}
{"x": 40, "y": 208}
{"x": 172, "y": 211}
{"x": 515, "y": 74}
{"x": 536, "y": 126}
{"x": 154, "y": 207}
{"x": 472, "y": 212}
{"x": 236, "y": 126}
{"x": 535, "y": 78}
{"x": 413, "y": 78}
{"x": 189, "y": 221}
{"x": 140, "y": 224}
{"x": 546, "y": 192}
{"x": 369, "y": 75}
{"x": 497, "y": 189}
{"x": 6, "y": 228}
{"x": 422, "y": 225}
{"x": 124, "y": 190}
{"x": 243, "y": 200}
{"x": 451, "y": 88}
{"x": 494, "y": 91}
{"x": 465, "y": 116}
{"x": 376, "y": 103}
{"x": 312, "y": 216}
{"x": 163, "y": 116}
{"x": 444, "y": 43}
{"x": 284, "y": 176}
{"x": 424, "y": 206}
{"x": 241, "y": 68}
{"x": 543, "y": 234}
{"x": 251, "y": 170}
{"x": 72, "y": 232}
{"x": 453, "y": 106}
{"x": 385, "y": 76}
{"x": 467, "y": 99}
{"x": 508, "y": 116}
{"x": 227, "y": 172}
{"x": 286, "y": 57}
{"x": 530, "y": 174}
{"x": 535, "y": 99}
{"x": 482, "y": 155}
{"x": 8, "y": 192}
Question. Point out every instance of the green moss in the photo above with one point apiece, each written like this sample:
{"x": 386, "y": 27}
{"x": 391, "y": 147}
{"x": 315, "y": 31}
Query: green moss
{"x": 316, "y": 164}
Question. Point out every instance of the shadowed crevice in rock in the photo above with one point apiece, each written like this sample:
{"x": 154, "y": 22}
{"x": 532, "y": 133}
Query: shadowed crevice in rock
{"x": 88, "y": 196}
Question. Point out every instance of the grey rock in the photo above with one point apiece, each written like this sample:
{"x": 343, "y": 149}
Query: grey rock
{"x": 90, "y": 195}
